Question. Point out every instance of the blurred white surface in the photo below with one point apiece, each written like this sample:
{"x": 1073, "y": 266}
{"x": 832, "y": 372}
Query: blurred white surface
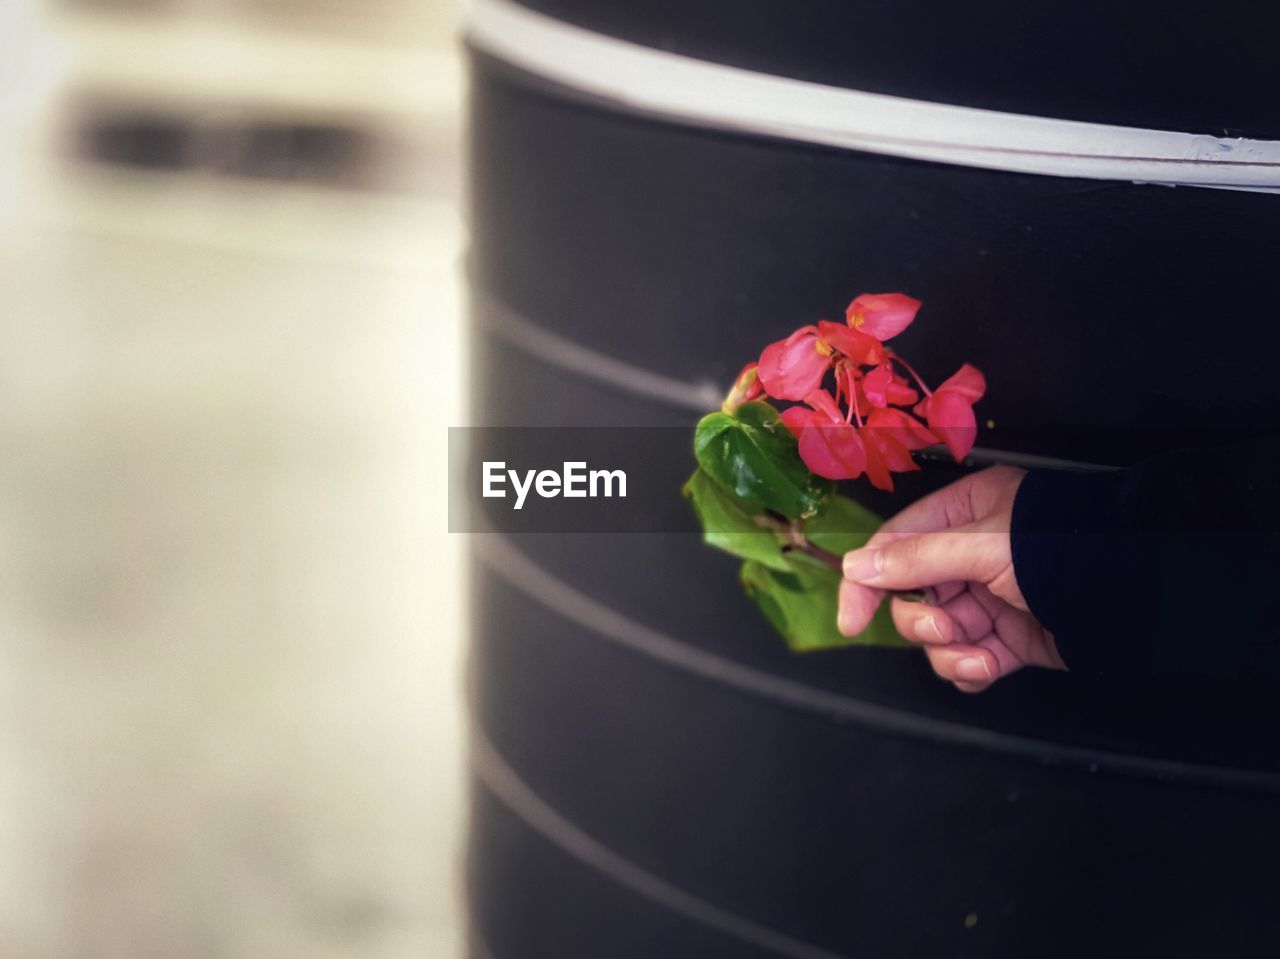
{"x": 229, "y": 610}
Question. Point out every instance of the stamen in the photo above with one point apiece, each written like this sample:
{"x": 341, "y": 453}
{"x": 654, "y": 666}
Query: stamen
{"x": 852, "y": 389}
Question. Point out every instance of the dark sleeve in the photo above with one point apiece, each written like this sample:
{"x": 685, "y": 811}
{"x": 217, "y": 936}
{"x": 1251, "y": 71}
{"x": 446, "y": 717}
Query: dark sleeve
{"x": 1168, "y": 567}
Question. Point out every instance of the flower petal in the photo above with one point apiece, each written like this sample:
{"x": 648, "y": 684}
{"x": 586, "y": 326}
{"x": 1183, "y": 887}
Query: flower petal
{"x": 900, "y": 393}
{"x": 889, "y": 437}
{"x": 793, "y": 368}
{"x": 951, "y": 419}
{"x": 968, "y": 382}
{"x": 796, "y": 418}
{"x": 877, "y": 469}
{"x": 882, "y": 315}
{"x": 876, "y": 384}
{"x": 827, "y": 408}
{"x": 856, "y": 345}
{"x": 833, "y": 451}
{"x": 904, "y": 428}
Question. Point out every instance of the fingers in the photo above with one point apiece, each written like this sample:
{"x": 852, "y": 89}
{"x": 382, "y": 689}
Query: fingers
{"x": 932, "y": 542}
{"x": 961, "y": 619}
{"x": 944, "y": 593}
{"x": 959, "y": 640}
{"x": 970, "y": 667}
{"x": 974, "y": 621}
{"x": 1021, "y": 633}
{"x": 1018, "y": 631}
{"x": 857, "y": 604}
{"x": 920, "y": 623}
{"x": 977, "y": 553}
{"x": 1006, "y": 659}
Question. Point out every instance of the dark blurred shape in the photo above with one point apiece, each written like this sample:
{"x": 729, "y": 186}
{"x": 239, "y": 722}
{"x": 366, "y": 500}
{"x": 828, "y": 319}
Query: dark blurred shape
{"x": 149, "y": 140}
{"x": 283, "y": 150}
{"x": 347, "y": 152}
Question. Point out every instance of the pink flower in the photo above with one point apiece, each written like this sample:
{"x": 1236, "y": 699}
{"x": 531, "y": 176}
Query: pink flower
{"x": 829, "y": 445}
{"x": 890, "y": 436}
{"x": 793, "y": 368}
{"x": 852, "y": 344}
{"x": 865, "y": 426}
{"x": 882, "y": 315}
{"x": 949, "y": 410}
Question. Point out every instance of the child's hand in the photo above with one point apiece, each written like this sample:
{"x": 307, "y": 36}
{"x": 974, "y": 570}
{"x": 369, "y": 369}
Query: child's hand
{"x": 954, "y": 544}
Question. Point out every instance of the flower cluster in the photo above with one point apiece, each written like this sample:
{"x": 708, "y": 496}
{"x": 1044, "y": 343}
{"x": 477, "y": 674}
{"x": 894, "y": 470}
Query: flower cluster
{"x": 865, "y": 426}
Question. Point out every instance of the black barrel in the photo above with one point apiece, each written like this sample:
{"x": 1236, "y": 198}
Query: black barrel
{"x": 655, "y": 775}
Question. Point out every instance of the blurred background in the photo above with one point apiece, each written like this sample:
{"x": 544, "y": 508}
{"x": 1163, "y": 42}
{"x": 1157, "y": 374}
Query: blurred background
{"x": 229, "y": 352}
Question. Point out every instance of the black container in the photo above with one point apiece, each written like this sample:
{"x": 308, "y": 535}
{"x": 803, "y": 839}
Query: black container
{"x": 655, "y": 774}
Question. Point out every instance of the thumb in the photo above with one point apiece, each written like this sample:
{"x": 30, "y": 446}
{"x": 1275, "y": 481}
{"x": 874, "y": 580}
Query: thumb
{"x": 972, "y": 553}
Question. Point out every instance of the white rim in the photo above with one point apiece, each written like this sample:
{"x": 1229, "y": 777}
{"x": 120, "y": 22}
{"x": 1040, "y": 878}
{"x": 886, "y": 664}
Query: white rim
{"x": 710, "y": 94}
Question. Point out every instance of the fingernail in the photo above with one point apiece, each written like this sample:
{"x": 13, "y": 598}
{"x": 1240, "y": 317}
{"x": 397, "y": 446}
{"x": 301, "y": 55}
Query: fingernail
{"x": 862, "y": 565}
{"x": 974, "y": 669}
{"x": 927, "y": 630}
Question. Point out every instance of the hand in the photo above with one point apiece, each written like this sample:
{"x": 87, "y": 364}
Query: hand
{"x": 954, "y": 544}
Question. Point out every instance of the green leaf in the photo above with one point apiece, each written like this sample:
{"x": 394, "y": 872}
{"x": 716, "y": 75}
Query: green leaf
{"x": 751, "y": 454}
{"x": 801, "y": 605}
{"x": 730, "y": 523}
{"x": 843, "y": 524}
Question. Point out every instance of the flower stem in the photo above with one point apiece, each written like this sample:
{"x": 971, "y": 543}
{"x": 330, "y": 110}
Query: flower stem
{"x": 799, "y": 543}
{"x": 816, "y": 552}
{"x": 919, "y": 381}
